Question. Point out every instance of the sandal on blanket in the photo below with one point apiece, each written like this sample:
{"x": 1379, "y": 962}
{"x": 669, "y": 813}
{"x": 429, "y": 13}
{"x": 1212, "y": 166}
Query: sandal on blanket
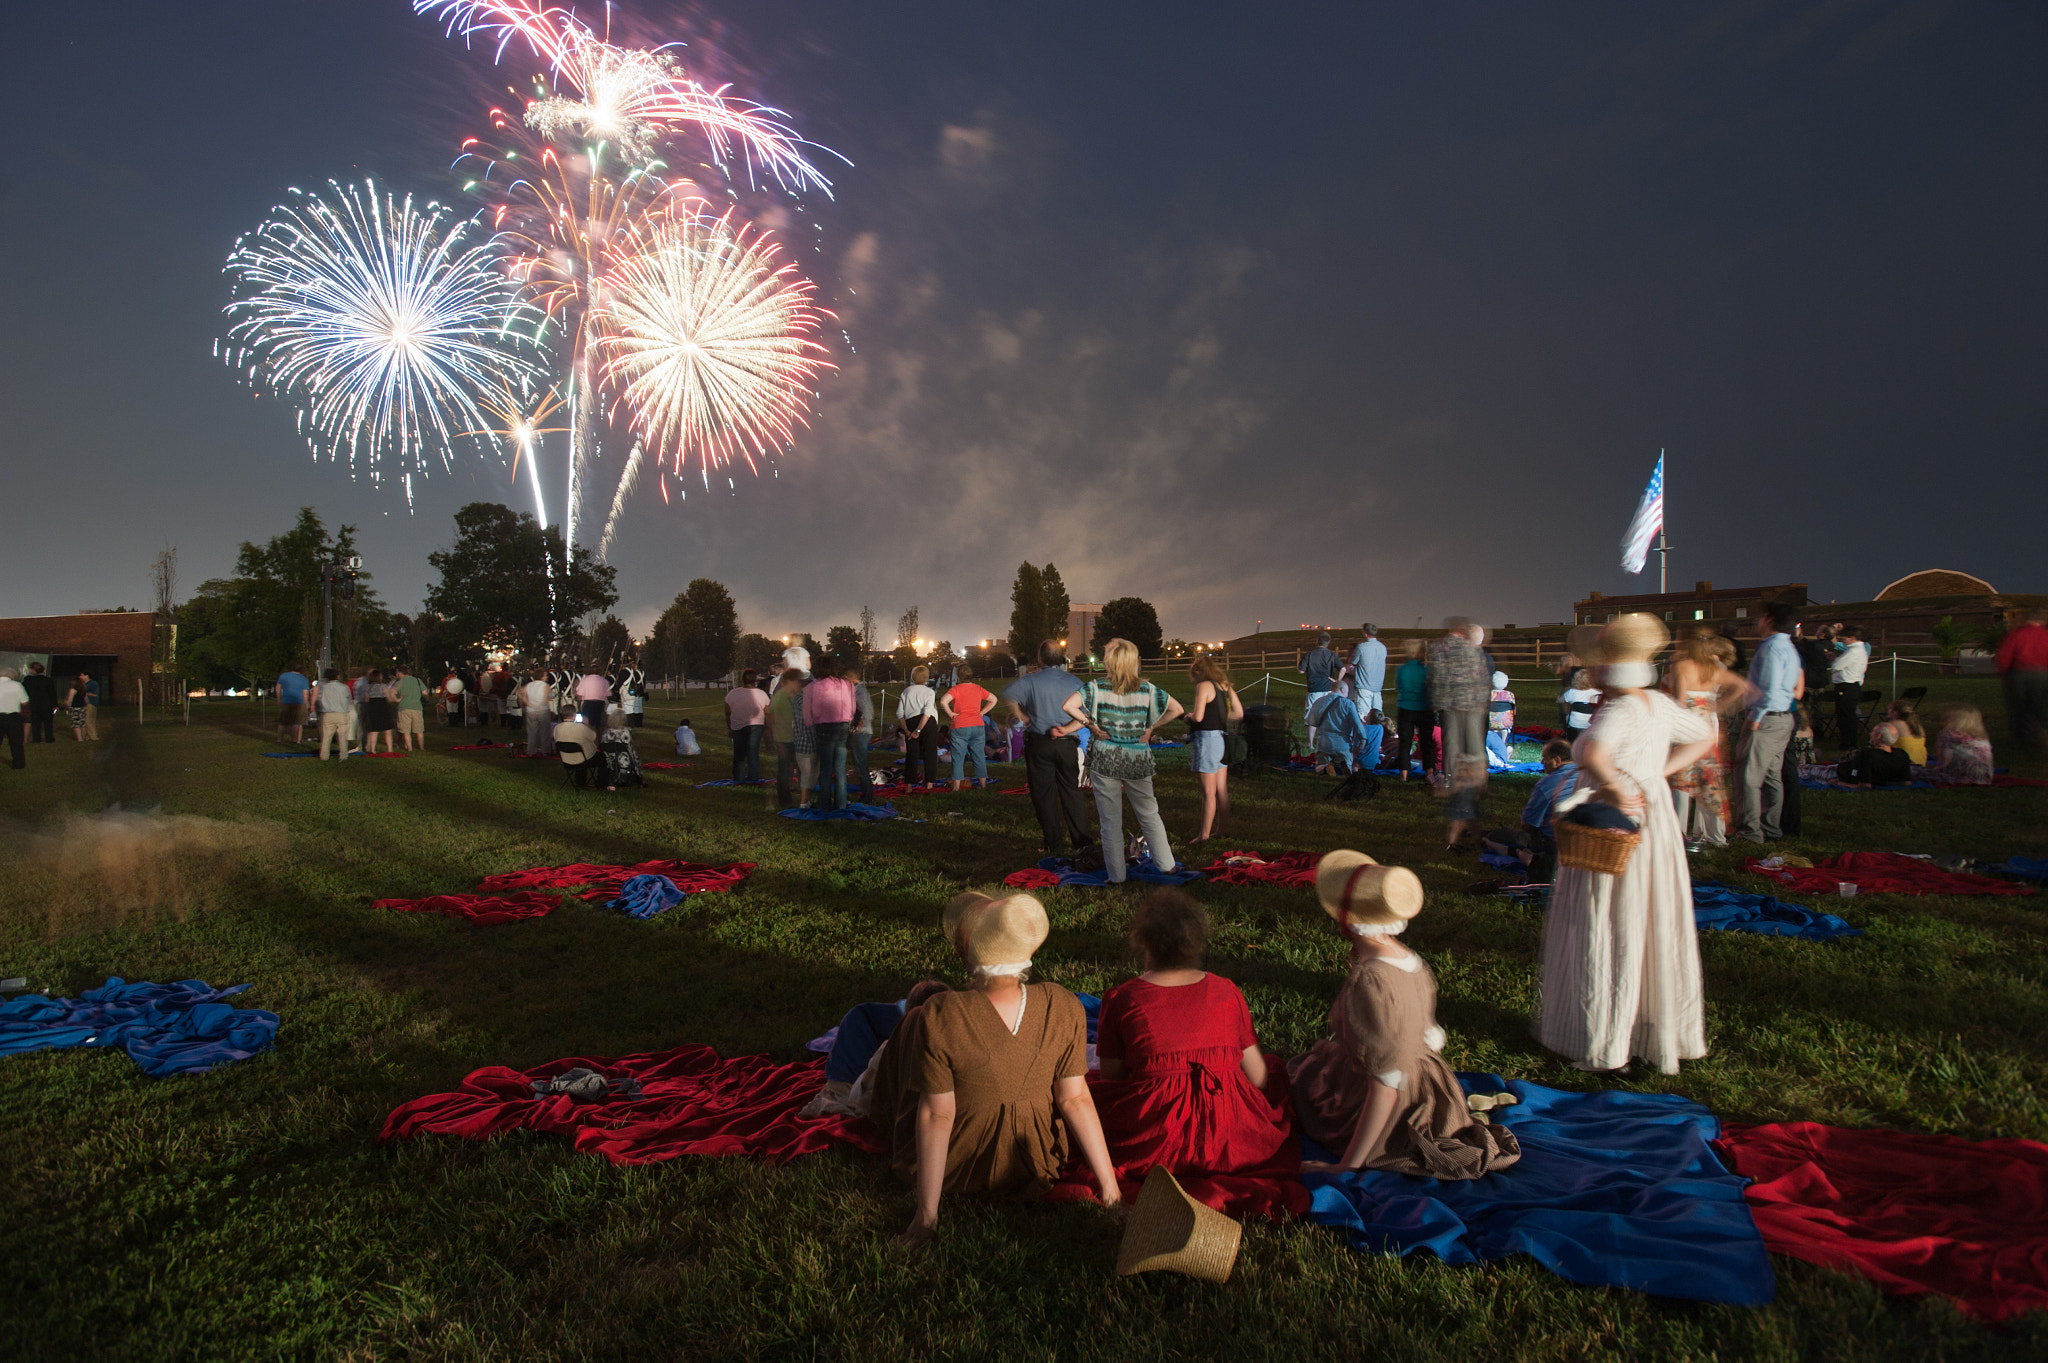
{"x": 1481, "y": 1103}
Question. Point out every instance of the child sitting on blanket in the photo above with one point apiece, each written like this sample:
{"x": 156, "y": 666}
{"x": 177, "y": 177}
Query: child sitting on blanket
{"x": 1962, "y": 750}
{"x": 1500, "y": 718}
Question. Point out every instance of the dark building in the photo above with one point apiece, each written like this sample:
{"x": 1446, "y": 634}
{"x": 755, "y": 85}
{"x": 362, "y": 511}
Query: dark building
{"x": 1704, "y": 602}
{"x": 114, "y": 648}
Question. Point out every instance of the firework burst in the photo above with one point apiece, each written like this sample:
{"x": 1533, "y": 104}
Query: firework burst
{"x": 710, "y": 336}
{"x": 384, "y": 319}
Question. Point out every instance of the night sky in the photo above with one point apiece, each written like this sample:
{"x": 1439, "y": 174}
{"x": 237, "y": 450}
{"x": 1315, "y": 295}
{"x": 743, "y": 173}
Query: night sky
{"x": 1285, "y": 312}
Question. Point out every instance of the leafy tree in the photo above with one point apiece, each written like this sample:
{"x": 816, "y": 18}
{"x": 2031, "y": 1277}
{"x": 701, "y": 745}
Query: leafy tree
{"x": 211, "y": 648}
{"x": 715, "y": 620}
{"x": 902, "y": 660}
{"x": 906, "y": 629}
{"x": 496, "y": 582}
{"x": 268, "y": 616}
{"x": 1128, "y": 617}
{"x": 843, "y": 643}
{"x": 1027, "y": 610}
{"x": 757, "y": 651}
{"x": 610, "y": 643}
{"x": 1056, "y": 605}
{"x": 867, "y": 631}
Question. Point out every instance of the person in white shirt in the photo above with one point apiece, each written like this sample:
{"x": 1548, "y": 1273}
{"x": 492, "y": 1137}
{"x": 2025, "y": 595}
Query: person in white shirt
{"x": 539, "y": 703}
{"x": 917, "y": 715}
{"x": 1847, "y": 671}
{"x": 337, "y": 711}
{"x": 13, "y": 713}
{"x": 1368, "y": 671}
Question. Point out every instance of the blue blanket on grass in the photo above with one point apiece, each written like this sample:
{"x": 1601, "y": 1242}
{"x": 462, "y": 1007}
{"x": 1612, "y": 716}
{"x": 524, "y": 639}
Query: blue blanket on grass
{"x": 1141, "y": 869}
{"x": 1613, "y": 1189}
{"x": 855, "y": 810}
{"x": 180, "y": 1028}
{"x": 2033, "y": 868}
{"x": 645, "y": 896}
{"x": 706, "y": 785}
{"x": 1715, "y": 905}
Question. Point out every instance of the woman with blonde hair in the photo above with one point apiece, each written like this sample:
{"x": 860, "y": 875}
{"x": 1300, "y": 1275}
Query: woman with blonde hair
{"x": 1962, "y": 750}
{"x": 1701, "y": 682}
{"x": 1216, "y": 705}
{"x": 1121, "y": 714}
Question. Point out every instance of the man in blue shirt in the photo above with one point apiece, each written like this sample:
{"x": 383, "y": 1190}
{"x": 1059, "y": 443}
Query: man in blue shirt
{"x": 1774, "y": 672}
{"x": 291, "y": 705}
{"x": 1560, "y": 773}
{"x": 1052, "y": 754}
{"x": 1368, "y": 670}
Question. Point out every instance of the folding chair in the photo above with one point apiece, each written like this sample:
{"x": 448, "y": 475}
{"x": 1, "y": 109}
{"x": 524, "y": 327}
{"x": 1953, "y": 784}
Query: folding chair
{"x": 578, "y": 757}
{"x": 1916, "y": 694}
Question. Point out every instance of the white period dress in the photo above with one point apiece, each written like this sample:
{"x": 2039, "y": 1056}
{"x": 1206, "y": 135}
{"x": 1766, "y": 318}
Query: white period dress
{"x": 1621, "y": 957}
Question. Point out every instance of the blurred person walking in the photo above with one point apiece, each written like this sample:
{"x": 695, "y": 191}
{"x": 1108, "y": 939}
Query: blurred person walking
{"x": 828, "y": 709}
{"x": 746, "y": 712}
{"x": 785, "y": 708}
{"x": 410, "y": 699}
{"x": 81, "y": 700}
{"x": 14, "y": 712}
{"x": 539, "y": 705}
{"x": 1699, "y": 683}
{"x": 860, "y": 735}
{"x": 594, "y": 693}
{"x": 1458, "y": 678}
{"x": 1052, "y": 752}
{"x": 2023, "y": 670}
{"x": 42, "y": 704}
{"x": 1122, "y": 714}
{"x": 1216, "y": 707}
{"x": 1413, "y": 719}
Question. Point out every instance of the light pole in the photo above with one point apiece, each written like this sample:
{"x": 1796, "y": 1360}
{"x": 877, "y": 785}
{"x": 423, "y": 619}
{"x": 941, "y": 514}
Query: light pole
{"x": 344, "y": 572}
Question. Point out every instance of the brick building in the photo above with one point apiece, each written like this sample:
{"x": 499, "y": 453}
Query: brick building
{"x": 115, "y": 648}
{"x": 1704, "y": 602}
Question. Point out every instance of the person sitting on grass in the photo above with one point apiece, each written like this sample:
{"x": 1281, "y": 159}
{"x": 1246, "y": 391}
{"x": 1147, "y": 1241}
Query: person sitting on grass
{"x": 1539, "y": 820}
{"x": 1912, "y": 738}
{"x": 983, "y": 1091}
{"x": 1183, "y": 1082}
{"x": 1962, "y": 750}
{"x": 1880, "y": 764}
{"x": 1500, "y": 719}
{"x": 1375, "y": 1091}
{"x": 1575, "y": 704}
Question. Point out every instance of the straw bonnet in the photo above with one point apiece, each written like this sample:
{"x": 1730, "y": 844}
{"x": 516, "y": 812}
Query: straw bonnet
{"x": 1171, "y": 1231}
{"x": 1356, "y": 889}
{"x": 996, "y": 932}
{"x": 957, "y": 908}
{"x": 1632, "y": 638}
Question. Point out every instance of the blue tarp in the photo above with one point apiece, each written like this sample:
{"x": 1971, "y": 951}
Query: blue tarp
{"x": 1718, "y": 906}
{"x": 855, "y": 810}
{"x": 706, "y": 785}
{"x": 645, "y": 896}
{"x": 1613, "y": 1189}
{"x": 2033, "y": 868}
{"x": 1141, "y": 869}
{"x": 178, "y": 1028}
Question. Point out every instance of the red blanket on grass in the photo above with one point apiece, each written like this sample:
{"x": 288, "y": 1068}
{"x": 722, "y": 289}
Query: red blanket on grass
{"x": 691, "y": 1102}
{"x": 605, "y": 882}
{"x": 1032, "y": 878}
{"x": 478, "y": 908}
{"x": 667, "y": 766}
{"x": 1252, "y": 868}
{"x": 1882, "y": 873}
{"x": 2002, "y": 779}
{"x": 1967, "y": 1219}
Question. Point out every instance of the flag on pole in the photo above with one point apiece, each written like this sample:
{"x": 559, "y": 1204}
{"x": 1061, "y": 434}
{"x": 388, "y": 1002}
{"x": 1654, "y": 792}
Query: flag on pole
{"x": 1635, "y": 545}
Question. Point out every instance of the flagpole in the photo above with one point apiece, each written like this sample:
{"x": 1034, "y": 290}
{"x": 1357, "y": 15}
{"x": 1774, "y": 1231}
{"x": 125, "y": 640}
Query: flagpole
{"x": 1663, "y": 549}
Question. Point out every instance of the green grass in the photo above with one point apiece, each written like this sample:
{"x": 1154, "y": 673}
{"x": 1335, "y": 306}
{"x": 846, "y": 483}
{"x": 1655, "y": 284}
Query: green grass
{"x": 251, "y": 1213}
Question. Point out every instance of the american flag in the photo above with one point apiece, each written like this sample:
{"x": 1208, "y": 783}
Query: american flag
{"x": 1635, "y": 545}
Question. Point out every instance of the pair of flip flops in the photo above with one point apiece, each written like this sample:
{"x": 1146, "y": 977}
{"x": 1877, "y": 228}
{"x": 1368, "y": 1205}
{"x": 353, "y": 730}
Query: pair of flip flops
{"x": 1481, "y": 1104}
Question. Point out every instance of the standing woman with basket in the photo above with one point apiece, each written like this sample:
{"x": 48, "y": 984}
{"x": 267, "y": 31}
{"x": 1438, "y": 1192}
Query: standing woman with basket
{"x": 1620, "y": 971}
{"x": 1121, "y": 713}
{"x": 1216, "y": 705}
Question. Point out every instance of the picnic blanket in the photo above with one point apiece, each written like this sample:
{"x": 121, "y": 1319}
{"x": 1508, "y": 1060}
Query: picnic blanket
{"x": 855, "y": 811}
{"x": 604, "y": 882}
{"x": 690, "y": 1102}
{"x": 478, "y": 908}
{"x": 706, "y": 785}
{"x": 646, "y": 896}
{"x": 1253, "y": 868}
{"x": 1613, "y": 1189}
{"x": 476, "y": 747}
{"x": 1881, "y": 873}
{"x": 1723, "y": 907}
{"x": 1054, "y": 871}
{"x": 1536, "y": 733}
{"x": 2033, "y": 868}
{"x": 180, "y": 1028}
{"x": 2006, "y": 779}
{"x": 1967, "y": 1219}
{"x": 666, "y": 766}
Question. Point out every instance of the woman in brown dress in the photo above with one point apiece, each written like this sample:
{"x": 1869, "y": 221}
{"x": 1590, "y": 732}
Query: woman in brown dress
{"x": 1374, "y": 1089}
{"x": 980, "y": 1090}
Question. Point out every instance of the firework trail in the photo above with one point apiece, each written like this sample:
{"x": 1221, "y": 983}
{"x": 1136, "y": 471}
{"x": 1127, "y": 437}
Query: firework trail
{"x": 711, "y": 338}
{"x": 628, "y": 481}
{"x": 383, "y": 320}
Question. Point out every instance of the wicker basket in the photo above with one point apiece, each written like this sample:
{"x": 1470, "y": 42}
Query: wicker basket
{"x": 1605, "y": 850}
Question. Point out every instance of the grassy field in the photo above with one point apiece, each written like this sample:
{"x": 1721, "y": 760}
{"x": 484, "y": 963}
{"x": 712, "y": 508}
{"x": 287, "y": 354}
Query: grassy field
{"x": 250, "y": 1213}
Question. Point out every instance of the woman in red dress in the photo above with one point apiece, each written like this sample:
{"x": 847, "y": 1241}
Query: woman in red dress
{"x": 1183, "y": 1082}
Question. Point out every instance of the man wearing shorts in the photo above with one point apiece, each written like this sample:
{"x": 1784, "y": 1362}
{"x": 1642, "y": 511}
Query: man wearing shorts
{"x": 412, "y": 714}
{"x": 292, "y": 686}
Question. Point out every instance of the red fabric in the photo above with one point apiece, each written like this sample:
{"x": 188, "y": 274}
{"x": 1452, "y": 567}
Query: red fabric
{"x": 380, "y": 754}
{"x": 478, "y": 908}
{"x": 1186, "y": 1103}
{"x": 2024, "y": 649}
{"x": 691, "y": 1103}
{"x": 604, "y": 882}
{"x": 1967, "y": 1219}
{"x": 2001, "y": 779}
{"x": 1032, "y": 878}
{"x": 897, "y": 792}
{"x": 1014, "y": 790}
{"x": 1250, "y": 868}
{"x": 1882, "y": 873}
{"x": 1542, "y": 733}
{"x": 667, "y": 766}
{"x": 476, "y": 747}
